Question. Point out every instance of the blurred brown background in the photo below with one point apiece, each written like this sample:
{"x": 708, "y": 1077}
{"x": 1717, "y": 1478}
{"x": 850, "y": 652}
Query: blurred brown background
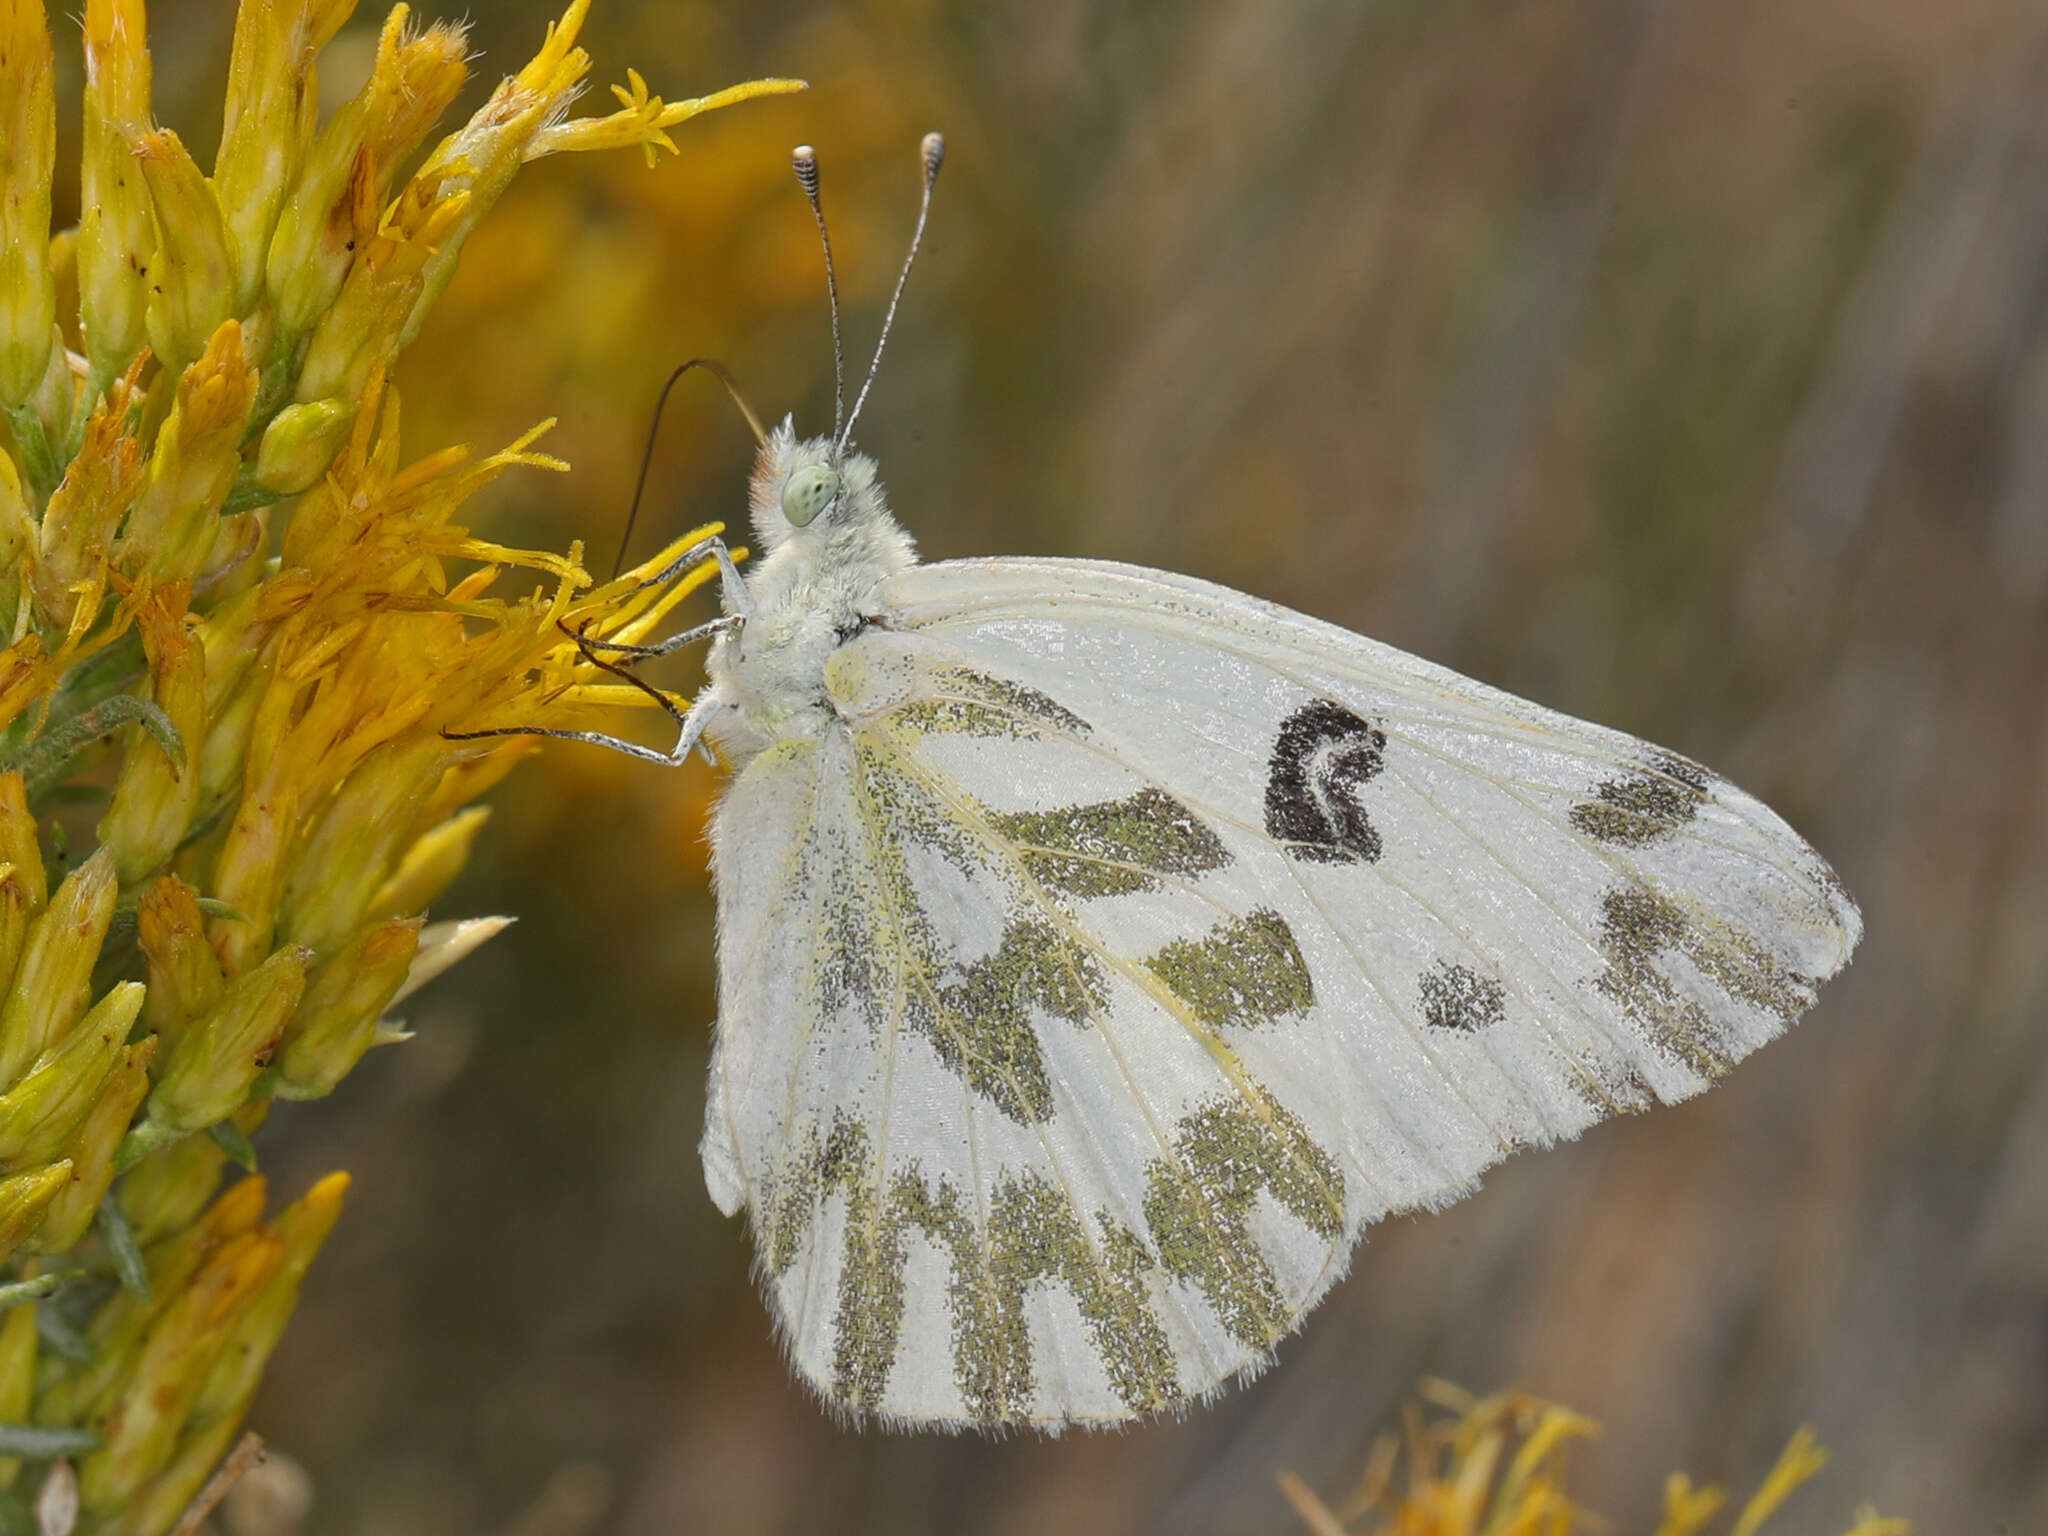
{"x": 1681, "y": 365}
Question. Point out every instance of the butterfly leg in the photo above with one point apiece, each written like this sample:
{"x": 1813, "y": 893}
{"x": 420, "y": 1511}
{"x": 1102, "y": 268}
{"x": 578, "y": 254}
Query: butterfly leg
{"x": 732, "y": 585}
{"x": 728, "y": 624}
{"x": 689, "y": 724}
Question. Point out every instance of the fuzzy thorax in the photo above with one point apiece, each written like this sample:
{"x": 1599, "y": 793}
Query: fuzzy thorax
{"x": 811, "y": 592}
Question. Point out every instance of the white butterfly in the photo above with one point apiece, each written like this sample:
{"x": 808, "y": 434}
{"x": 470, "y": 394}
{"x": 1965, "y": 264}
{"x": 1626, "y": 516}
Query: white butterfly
{"x": 1101, "y": 951}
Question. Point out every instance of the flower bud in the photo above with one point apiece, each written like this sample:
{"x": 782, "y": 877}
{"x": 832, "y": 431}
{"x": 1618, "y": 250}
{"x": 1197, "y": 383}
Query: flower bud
{"x": 57, "y": 960}
{"x": 184, "y": 977}
{"x": 85, "y": 509}
{"x": 269, "y": 119}
{"x": 28, "y": 153}
{"x": 299, "y": 444}
{"x": 336, "y": 1023}
{"x": 90, "y": 1150}
{"x": 197, "y": 456}
{"x": 23, "y": 1200}
{"x": 38, "y": 1113}
{"x": 192, "y": 280}
{"x": 212, "y": 1068}
{"x": 116, "y": 237}
{"x": 154, "y": 798}
{"x": 184, "y": 1342}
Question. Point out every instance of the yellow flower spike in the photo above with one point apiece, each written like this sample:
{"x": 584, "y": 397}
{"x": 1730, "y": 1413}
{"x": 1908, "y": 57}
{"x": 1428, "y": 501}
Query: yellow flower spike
{"x": 212, "y": 1068}
{"x": 337, "y": 1022}
{"x": 1870, "y": 1523}
{"x": 23, "y": 1200}
{"x": 17, "y": 1375}
{"x": 430, "y": 865}
{"x": 192, "y": 279}
{"x": 56, "y": 963}
{"x": 1801, "y": 1459}
{"x": 183, "y": 1343}
{"x": 269, "y": 120}
{"x": 85, "y": 509}
{"x": 1534, "y": 1461}
{"x": 28, "y": 153}
{"x": 335, "y": 204}
{"x": 91, "y": 1148}
{"x": 20, "y": 845}
{"x": 38, "y": 1113}
{"x": 522, "y": 121}
{"x": 155, "y": 798}
{"x": 193, "y": 466}
{"x": 89, "y": 1389}
{"x": 185, "y": 979}
{"x": 116, "y": 234}
{"x": 643, "y": 120}
{"x": 1687, "y": 1509}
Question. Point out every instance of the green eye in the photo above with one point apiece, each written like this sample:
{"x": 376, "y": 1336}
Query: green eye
{"x": 808, "y": 492}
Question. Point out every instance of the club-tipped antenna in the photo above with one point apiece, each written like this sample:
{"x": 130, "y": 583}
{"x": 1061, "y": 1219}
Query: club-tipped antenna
{"x": 713, "y": 365}
{"x": 931, "y": 154}
{"x": 804, "y": 161}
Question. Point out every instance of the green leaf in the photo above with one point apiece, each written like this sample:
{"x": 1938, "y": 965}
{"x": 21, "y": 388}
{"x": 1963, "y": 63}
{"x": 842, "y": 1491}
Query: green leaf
{"x": 142, "y": 1141}
{"x": 231, "y": 1139}
{"x": 35, "y": 1442}
{"x": 19, "y": 1291}
{"x": 126, "y": 1252}
{"x": 60, "y": 1337}
{"x": 48, "y": 755}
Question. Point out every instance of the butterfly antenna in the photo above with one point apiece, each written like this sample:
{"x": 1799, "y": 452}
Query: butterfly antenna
{"x": 804, "y": 161}
{"x": 932, "y": 154}
{"x": 732, "y": 388}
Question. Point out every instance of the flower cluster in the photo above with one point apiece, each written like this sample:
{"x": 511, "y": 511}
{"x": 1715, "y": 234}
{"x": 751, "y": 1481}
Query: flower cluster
{"x": 1498, "y": 1466}
{"x": 240, "y": 625}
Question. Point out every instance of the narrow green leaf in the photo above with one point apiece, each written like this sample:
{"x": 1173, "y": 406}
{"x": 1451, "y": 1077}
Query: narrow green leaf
{"x": 60, "y": 1337}
{"x": 19, "y": 1291}
{"x": 234, "y": 1141}
{"x": 35, "y": 1442}
{"x": 142, "y": 1141}
{"x": 46, "y": 758}
{"x": 126, "y": 1252}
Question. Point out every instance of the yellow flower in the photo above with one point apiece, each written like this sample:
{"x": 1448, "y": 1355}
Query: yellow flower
{"x": 231, "y": 609}
{"x": 1497, "y": 1466}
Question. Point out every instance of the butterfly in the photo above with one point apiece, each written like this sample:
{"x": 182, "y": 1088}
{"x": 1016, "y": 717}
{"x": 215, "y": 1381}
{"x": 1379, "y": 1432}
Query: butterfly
{"x": 1101, "y": 951}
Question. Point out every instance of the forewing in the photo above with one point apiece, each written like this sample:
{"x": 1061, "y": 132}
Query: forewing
{"x": 1134, "y": 944}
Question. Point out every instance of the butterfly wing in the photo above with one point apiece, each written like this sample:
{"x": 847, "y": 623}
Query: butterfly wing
{"x": 1133, "y": 944}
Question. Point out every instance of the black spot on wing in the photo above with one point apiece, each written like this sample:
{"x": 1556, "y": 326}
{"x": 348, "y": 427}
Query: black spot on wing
{"x": 1322, "y": 758}
{"x": 1457, "y": 999}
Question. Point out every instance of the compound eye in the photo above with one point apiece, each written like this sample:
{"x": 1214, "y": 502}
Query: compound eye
{"x": 808, "y": 492}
